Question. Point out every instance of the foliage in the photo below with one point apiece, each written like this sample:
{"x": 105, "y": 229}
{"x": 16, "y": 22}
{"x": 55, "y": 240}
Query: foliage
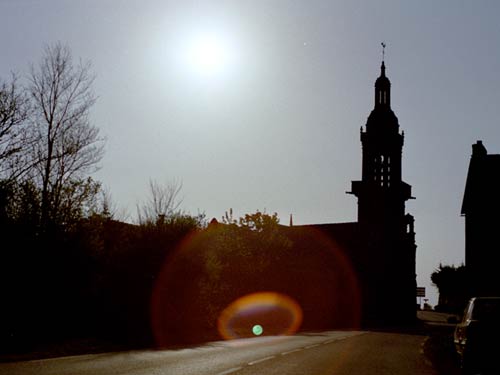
{"x": 257, "y": 221}
{"x": 451, "y": 282}
{"x": 448, "y": 278}
{"x": 20, "y": 202}
{"x": 238, "y": 258}
{"x": 76, "y": 200}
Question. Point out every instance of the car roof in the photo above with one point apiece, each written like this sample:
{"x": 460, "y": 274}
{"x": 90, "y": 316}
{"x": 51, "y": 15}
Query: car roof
{"x": 476, "y": 298}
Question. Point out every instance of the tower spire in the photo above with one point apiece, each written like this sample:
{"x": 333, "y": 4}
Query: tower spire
{"x": 382, "y": 68}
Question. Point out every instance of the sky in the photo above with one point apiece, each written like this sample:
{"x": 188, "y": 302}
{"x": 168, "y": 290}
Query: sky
{"x": 257, "y": 105}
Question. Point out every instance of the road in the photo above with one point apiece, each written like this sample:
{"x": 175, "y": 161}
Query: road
{"x": 327, "y": 353}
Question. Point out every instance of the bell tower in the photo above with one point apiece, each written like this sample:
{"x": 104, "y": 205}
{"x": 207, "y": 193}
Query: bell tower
{"x": 381, "y": 192}
{"x": 386, "y": 233}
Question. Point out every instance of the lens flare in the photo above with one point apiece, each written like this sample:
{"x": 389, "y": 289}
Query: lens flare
{"x": 257, "y": 330}
{"x": 209, "y": 288}
{"x": 279, "y": 314}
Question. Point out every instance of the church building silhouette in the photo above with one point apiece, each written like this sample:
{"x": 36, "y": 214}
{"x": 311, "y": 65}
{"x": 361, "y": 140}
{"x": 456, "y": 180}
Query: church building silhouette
{"x": 381, "y": 244}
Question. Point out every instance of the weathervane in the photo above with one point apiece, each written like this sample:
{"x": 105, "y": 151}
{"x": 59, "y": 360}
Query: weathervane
{"x": 383, "y": 50}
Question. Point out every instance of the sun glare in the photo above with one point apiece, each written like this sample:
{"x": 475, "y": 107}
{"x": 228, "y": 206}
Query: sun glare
{"x": 208, "y": 54}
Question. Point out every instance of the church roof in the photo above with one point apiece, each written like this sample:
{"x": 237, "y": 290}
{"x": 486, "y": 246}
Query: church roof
{"x": 343, "y": 234}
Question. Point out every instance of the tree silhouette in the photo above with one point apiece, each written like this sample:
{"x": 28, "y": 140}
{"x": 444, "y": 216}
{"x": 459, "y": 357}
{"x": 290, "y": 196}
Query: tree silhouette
{"x": 451, "y": 282}
{"x": 13, "y": 114}
{"x": 163, "y": 203}
{"x": 65, "y": 145}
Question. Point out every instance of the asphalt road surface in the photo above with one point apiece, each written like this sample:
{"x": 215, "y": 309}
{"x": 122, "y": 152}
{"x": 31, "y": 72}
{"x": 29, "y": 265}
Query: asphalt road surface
{"x": 328, "y": 353}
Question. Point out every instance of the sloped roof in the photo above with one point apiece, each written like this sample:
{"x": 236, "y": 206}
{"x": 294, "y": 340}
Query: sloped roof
{"x": 344, "y": 234}
{"x": 482, "y": 187}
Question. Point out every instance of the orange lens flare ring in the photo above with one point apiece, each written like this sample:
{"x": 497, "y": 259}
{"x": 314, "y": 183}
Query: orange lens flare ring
{"x": 275, "y": 313}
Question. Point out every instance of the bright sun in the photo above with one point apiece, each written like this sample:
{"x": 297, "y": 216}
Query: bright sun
{"x": 208, "y": 54}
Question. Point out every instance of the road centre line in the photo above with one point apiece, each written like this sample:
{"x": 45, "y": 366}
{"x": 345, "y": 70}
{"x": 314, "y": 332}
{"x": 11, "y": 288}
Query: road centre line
{"x": 335, "y": 340}
{"x": 311, "y": 346}
{"x": 291, "y": 351}
{"x": 261, "y": 360}
{"x": 231, "y": 370}
{"x": 234, "y": 369}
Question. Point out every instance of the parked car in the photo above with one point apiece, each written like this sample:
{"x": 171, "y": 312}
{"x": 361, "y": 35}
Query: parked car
{"x": 477, "y": 336}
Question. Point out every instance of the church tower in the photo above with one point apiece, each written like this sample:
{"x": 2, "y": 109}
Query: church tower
{"x": 386, "y": 232}
{"x": 381, "y": 192}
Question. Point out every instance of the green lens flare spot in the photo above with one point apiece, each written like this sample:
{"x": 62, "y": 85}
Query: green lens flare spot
{"x": 257, "y": 330}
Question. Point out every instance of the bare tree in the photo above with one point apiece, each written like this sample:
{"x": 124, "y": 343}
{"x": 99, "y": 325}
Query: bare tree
{"x": 163, "y": 203}
{"x": 13, "y": 114}
{"x": 66, "y": 146}
{"x": 107, "y": 208}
